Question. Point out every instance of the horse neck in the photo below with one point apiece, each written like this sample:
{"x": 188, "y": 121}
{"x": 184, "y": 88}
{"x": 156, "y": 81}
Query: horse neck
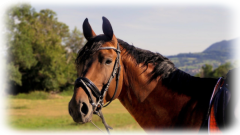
{"x": 160, "y": 105}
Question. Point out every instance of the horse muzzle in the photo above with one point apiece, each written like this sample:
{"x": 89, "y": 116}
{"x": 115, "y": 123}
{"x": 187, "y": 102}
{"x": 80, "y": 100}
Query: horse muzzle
{"x": 80, "y": 111}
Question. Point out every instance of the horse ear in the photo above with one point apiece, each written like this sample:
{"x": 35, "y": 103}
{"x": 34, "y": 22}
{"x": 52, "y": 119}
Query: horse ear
{"x": 87, "y": 30}
{"x": 107, "y": 28}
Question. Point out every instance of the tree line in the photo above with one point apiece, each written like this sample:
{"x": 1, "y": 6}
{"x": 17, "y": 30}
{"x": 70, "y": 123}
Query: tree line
{"x": 207, "y": 71}
{"x": 41, "y": 50}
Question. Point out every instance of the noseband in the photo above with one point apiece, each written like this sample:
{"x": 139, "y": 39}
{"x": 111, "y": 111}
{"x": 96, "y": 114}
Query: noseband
{"x": 87, "y": 84}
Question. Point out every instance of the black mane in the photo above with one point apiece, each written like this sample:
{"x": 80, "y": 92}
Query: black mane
{"x": 162, "y": 65}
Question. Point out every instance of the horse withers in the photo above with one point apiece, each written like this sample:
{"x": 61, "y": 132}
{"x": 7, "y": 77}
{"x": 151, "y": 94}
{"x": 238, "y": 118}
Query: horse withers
{"x": 149, "y": 86}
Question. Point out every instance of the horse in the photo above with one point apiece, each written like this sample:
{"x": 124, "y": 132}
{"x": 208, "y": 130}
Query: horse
{"x": 156, "y": 93}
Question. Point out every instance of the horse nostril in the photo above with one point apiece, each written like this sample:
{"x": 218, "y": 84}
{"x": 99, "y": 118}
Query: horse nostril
{"x": 84, "y": 108}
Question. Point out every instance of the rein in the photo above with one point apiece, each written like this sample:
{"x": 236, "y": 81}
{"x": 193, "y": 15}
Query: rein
{"x": 91, "y": 90}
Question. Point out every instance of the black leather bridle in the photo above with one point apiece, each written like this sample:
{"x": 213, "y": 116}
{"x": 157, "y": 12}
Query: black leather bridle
{"x": 87, "y": 84}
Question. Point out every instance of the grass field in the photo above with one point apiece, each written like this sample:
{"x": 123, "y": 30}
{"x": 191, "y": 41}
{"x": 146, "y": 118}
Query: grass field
{"x": 50, "y": 112}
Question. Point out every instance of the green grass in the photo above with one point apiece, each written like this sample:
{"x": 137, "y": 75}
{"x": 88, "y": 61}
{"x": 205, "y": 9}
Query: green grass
{"x": 67, "y": 93}
{"x": 42, "y": 123}
{"x": 18, "y": 107}
{"x": 35, "y": 95}
{"x": 120, "y": 122}
{"x": 52, "y": 114}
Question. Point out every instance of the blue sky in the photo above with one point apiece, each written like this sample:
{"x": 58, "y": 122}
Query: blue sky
{"x": 165, "y": 28}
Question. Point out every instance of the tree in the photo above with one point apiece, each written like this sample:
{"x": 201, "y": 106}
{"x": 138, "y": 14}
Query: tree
{"x": 221, "y": 71}
{"x": 18, "y": 43}
{"x": 38, "y": 46}
{"x": 11, "y": 12}
{"x": 74, "y": 43}
{"x": 206, "y": 71}
{"x": 49, "y": 52}
{"x": 8, "y": 72}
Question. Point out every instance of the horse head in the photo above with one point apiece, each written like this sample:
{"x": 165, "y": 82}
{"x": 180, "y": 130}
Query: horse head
{"x": 98, "y": 65}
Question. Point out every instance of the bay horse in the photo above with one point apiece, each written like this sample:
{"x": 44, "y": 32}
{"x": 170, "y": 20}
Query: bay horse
{"x": 149, "y": 86}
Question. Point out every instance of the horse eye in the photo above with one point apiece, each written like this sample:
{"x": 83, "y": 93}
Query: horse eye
{"x": 108, "y": 61}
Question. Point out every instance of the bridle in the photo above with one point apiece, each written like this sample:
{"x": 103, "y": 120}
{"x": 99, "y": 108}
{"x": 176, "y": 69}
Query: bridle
{"x": 87, "y": 84}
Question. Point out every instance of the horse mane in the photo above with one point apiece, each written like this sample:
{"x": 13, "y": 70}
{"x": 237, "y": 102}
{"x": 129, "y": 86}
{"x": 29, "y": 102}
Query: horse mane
{"x": 172, "y": 77}
{"x": 162, "y": 65}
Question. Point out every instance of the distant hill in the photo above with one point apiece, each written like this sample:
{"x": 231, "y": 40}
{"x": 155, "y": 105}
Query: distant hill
{"x": 216, "y": 55}
{"x": 224, "y": 45}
